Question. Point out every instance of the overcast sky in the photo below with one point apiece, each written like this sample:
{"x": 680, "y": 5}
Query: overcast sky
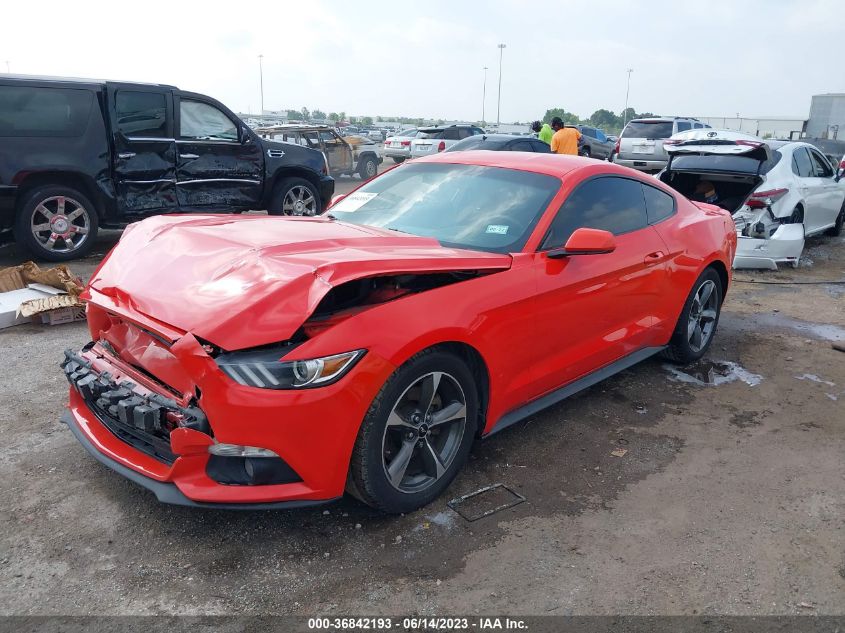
{"x": 715, "y": 58}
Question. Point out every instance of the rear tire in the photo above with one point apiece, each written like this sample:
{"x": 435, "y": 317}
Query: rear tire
{"x": 697, "y": 323}
{"x": 415, "y": 436}
{"x": 56, "y": 223}
{"x": 294, "y": 196}
{"x": 398, "y": 159}
{"x": 367, "y": 168}
{"x": 836, "y": 229}
{"x": 797, "y": 216}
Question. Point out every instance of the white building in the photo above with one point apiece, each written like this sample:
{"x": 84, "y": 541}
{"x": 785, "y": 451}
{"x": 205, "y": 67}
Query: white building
{"x": 827, "y": 116}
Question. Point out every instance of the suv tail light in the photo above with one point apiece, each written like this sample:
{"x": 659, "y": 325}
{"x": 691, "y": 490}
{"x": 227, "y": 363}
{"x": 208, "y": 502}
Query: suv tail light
{"x": 842, "y": 164}
{"x": 762, "y": 199}
{"x": 441, "y": 146}
{"x": 618, "y": 142}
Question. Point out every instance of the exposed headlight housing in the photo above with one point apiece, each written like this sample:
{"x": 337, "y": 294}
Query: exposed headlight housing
{"x": 264, "y": 368}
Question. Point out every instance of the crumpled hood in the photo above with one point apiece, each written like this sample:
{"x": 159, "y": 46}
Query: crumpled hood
{"x": 243, "y": 281}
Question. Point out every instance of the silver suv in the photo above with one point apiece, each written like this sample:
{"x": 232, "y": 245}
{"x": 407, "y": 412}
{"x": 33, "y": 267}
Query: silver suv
{"x": 641, "y": 143}
{"x": 431, "y": 140}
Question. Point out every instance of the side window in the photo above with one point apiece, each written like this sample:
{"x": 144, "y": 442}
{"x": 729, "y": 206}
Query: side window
{"x": 821, "y": 168}
{"x": 697, "y": 126}
{"x": 659, "y": 204}
{"x": 801, "y": 165}
{"x": 141, "y": 113}
{"x": 309, "y": 139}
{"x": 588, "y": 131}
{"x": 202, "y": 121}
{"x": 540, "y": 147}
{"x": 43, "y": 111}
{"x": 521, "y": 146}
{"x": 609, "y": 203}
{"x": 682, "y": 126}
{"x": 477, "y": 130}
{"x": 601, "y": 136}
{"x": 452, "y": 134}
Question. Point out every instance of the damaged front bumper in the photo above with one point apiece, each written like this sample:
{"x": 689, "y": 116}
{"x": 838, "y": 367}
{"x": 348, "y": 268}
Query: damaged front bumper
{"x": 784, "y": 246}
{"x": 139, "y": 427}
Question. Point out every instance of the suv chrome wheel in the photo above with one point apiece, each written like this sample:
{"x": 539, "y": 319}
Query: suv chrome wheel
{"x": 60, "y": 224}
{"x": 299, "y": 201}
{"x": 424, "y": 432}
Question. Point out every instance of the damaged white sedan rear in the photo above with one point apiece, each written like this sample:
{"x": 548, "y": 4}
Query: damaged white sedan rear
{"x": 778, "y": 192}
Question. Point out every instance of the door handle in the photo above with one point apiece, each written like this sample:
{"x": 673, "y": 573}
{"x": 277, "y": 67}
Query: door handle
{"x": 189, "y": 156}
{"x": 126, "y": 155}
{"x": 654, "y": 258}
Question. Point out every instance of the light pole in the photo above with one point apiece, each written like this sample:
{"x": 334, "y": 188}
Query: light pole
{"x": 261, "y": 80}
{"x": 499, "y": 106}
{"x": 8, "y": 70}
{"x": 627, "y": 92}
{"x": 484, "y": 97}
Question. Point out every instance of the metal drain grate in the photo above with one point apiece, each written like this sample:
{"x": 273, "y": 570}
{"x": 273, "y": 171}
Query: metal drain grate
{"x": 485, "y": 501}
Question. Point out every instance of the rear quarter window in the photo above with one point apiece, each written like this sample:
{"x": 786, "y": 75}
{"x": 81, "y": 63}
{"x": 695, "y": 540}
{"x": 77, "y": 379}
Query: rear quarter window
{"x": 648, "y": 129}
{"x": 659, "y": 204}
{"x": 43, "y": 112}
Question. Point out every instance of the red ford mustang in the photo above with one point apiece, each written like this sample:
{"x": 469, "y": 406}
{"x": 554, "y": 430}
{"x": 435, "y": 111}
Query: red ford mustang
{"x": 254, "y": 361}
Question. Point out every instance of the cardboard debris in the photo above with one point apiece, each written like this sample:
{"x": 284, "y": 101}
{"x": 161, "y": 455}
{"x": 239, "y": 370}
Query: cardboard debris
{"x": 619, "y": 452}
{"x": 27, "y": 291}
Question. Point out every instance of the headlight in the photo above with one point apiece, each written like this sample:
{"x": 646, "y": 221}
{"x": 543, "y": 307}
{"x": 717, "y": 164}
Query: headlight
{"x": 263, "y": 368}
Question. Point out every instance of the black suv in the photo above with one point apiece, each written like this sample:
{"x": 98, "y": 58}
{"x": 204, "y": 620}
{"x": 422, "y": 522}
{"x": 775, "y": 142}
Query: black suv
{"x": 76, "y": 155}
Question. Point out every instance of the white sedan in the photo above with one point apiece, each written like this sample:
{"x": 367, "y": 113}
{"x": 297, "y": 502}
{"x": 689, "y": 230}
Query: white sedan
{"x": 779, "y": 192}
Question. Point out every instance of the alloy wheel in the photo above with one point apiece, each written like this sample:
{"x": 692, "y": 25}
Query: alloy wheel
{"x": 299, "y": 201}
{"x": 702, "y": 316}
{"x": 60, "y": 224}
{"x": 423, "y": 432}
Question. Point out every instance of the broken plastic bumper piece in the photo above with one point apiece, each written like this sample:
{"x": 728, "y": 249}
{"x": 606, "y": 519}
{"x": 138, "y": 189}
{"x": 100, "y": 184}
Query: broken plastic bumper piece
{"x": 783, "y": 247}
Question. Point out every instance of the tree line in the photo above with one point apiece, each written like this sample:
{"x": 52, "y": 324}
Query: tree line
{"x": 607, "y": 120}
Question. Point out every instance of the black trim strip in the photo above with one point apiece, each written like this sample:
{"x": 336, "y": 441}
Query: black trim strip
{"x": 543, "y": 402}
{"x": 168, "y": 492}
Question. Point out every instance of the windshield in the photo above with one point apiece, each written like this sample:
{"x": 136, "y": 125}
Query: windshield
{"x": 648, "y": 129}
{"x": 464, "y": 206}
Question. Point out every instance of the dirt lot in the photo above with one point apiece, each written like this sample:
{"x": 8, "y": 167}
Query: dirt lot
{"x": 729, "y": 499}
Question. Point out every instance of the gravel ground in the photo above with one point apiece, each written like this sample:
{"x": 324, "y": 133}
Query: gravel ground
{"x": 650, "y": 493}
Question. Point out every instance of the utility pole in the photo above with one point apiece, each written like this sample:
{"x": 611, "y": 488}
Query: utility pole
{"x": 499, "y": 106}
{"x": 627, "y": 92}
{"x": 261, "y": 79}
{"x": 484, "y": 98}
{"x": 8, "y": 67}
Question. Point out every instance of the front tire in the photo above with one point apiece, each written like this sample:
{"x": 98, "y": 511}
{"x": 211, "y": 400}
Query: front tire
{"x": 417, "y": 434}
{"x": 295, "y": 196}
{"x": 56, "y": 223}
{"x": 586, "y": 152}
{"x": 699, "y": 318}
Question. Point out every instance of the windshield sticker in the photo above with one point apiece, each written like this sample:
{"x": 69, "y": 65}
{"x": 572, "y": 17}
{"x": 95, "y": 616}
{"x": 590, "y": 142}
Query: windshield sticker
{"x": 498, "y": 229}
{"x": 353, "y": 202}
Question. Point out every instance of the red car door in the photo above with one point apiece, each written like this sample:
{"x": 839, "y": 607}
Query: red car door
{"x": 592, "y": 310}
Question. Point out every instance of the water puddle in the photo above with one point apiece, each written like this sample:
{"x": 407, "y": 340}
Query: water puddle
{"x": 814, "y": 378}
{"x": 706, "y": 373}
{"x": 823, "y": 331}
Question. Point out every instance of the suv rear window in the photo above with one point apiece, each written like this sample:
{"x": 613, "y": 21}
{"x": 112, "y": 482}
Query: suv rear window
{"x": 648, "y": 129}
{"x": 430, "y": 134}
{"x": 43, "y": 111}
